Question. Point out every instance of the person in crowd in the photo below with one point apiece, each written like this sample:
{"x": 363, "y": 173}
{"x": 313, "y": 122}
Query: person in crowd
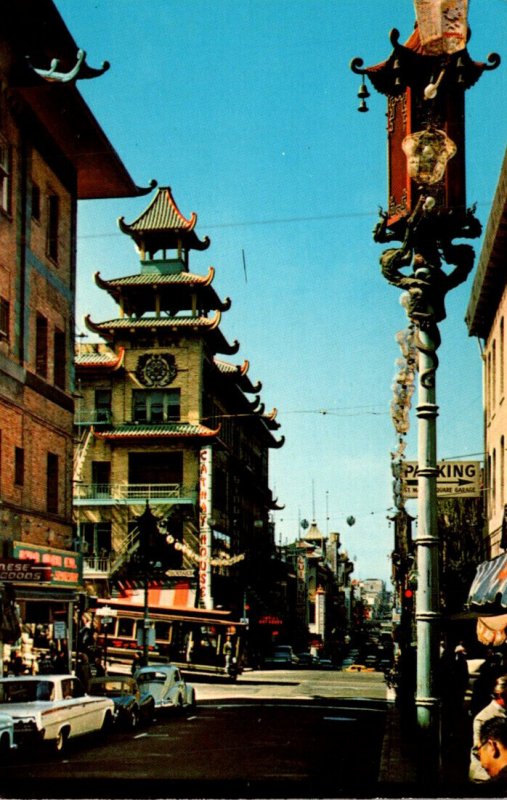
{"x": 83, "y": 671}
{"x": 96, "y": 667}
{"x": 489, "y": 671}
{"x": 492, "y": 753}
{"x": 496, "y": 708}
{"x": 454, "y": 679}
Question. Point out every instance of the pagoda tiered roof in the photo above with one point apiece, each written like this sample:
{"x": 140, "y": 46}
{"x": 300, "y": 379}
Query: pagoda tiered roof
{"x": 209, "y": 326}
{"x": 162, "y": 226}
{"x": 404, "y": 67}
{"x": 176, "y": 291}
{"x": 105, "y": 360}
{"x": 238, "y": 373}
{"x": 174, "y": 430}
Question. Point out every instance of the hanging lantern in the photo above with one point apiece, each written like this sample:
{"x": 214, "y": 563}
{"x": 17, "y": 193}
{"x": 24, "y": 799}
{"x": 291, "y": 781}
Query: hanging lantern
{"x": 427, "y": 153}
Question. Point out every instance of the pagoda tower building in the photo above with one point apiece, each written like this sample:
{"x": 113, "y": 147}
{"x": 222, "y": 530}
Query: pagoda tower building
{"x": 164, "y": 418}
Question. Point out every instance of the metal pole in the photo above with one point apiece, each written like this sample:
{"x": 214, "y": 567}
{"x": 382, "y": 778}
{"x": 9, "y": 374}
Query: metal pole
{"x": 427, "y": 595}
{"x": 146, "y": 616}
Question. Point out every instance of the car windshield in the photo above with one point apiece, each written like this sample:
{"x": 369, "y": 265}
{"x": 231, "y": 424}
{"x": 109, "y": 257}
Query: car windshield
{"x": 26, "y": 691}
{"x": 152, "y": 677}
{"x": 110, "y": 688}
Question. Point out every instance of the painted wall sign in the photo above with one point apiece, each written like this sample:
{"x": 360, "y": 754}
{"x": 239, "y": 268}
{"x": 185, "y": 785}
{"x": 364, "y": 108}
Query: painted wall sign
{"x": 65, "y": 564}
{"x": 23, "y": 571}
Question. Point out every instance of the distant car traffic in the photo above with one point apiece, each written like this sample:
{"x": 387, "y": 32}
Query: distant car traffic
{"x": 307, "y": 660}
{"x": 6, "y": 736}
{"x": 282, "y": 656}
{"x": 166, "y": 685}
{"x": 53, "y": 708}
{"x": 131, "y": 705}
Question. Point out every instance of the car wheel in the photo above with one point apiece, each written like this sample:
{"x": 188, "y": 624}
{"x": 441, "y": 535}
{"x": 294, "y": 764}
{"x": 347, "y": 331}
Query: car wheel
{"x": 4, "y": 746}
{"x": 107, "y": 723}
{"x": 60, "y": 743}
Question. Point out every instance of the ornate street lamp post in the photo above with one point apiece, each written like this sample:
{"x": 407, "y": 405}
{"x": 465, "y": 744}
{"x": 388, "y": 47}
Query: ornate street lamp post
{"x": 424, "y": 81}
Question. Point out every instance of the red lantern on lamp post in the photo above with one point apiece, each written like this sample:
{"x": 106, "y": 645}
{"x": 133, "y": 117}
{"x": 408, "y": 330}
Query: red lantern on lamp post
{"x": 424, "y": 81}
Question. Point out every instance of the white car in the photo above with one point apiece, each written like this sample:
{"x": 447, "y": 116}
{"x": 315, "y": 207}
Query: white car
{"x": 6, "y": 735}
{"x": 53, "y": 708}
{"x": 166, "y": 685}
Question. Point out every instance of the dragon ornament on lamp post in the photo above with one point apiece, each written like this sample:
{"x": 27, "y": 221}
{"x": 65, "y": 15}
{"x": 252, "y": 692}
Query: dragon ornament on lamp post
{"x": 424, "y": 81}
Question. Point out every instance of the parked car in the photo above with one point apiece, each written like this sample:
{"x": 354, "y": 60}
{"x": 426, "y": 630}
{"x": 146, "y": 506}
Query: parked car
{"x": 131, "y": 705}
{"x": 6, "y": 736}
{"x": 282, "y": 656}
{"x": 307, "y": 660}
{"x": 166, "y": 685}
{"x": 53, "y": 709}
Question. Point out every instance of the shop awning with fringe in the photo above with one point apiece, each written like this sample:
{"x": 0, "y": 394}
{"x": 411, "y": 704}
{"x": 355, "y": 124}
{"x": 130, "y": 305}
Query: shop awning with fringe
{"x": 488, "y": 596}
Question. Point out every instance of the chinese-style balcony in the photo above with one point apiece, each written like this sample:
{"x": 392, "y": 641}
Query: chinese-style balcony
{"x": 104, "y": 494}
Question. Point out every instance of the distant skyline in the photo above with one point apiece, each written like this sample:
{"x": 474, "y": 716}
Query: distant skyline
{"x": 248, "y": 111}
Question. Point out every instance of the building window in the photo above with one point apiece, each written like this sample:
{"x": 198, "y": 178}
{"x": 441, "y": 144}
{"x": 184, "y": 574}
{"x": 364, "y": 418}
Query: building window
{"x": 4, "y": 318}
{"x": 19, "y": 466}
{"x": 52, "y": 483}
{"x": 35, "y": 202}
{"x": 53, "y": 225}
{"x": 156, "y": 406}
{"x": 501, "y": 357}
{"x": 41, "y": 346}
{"x": 103, "y": 398}
{"x": 59, "y": 359}
{"x": 5, "y": 176}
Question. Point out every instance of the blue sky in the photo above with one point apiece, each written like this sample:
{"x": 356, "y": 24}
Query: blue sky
{"x": 247, "y": 109}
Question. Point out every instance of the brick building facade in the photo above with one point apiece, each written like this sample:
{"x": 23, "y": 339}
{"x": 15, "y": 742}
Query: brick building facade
{"x": 45, "y": 130}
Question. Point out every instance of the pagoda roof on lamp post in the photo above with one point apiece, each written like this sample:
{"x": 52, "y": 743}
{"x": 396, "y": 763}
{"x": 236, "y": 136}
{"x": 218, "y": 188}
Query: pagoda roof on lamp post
{"x": 162, "y": 226}
{"x": 409, "y": 65}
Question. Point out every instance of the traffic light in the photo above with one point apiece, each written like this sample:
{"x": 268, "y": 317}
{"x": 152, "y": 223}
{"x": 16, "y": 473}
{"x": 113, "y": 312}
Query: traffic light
{"x": 408, "y": 599}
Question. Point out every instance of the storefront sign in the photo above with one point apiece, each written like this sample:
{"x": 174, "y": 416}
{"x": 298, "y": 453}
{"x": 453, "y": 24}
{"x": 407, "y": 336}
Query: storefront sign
{"x": 23, "y": 571}
{"x": 65, "y": 564}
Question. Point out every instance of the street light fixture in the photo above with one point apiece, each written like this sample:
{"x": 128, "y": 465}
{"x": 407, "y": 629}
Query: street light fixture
{"x": 424, "y": 81}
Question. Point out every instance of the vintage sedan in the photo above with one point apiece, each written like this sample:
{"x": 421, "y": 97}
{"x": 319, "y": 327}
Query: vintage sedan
{"x": 53, "y": 709}
{"x": 6, "y": 736}
{"x": 166, "y": 685}
{"x": 131, "y": 704}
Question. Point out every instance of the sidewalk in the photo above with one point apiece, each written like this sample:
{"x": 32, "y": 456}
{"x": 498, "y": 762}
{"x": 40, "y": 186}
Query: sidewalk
{"x": 398, "y": 776}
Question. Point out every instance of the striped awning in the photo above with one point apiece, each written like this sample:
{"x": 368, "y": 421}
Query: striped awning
{"x": 161, "y": 594}
{"x": 489, "y": 587}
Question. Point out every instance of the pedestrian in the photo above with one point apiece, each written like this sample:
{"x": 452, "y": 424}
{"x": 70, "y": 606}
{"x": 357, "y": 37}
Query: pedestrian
{"x": 492, "y": 752}
{"x": 489, "y": 671}
{"x": 83, "y": 671}
{"x": 496, "y": 708}
{"x": 228, "y": 652}
{"x": 454, "y": 679}
{"x": 96, "y": 668}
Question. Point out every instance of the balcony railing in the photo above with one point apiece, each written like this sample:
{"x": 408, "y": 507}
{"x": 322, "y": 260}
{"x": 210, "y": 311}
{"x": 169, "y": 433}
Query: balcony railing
{"x": 95, "y": 416}
{"x": 96, "y": 565}
{"x": 132, "y": 491}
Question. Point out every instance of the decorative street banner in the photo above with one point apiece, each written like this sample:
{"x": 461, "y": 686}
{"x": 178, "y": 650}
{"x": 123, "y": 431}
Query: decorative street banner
{"x": 205, "y": 532}
{"x": 455, "y": 479}
{"x": 442, "y": 25}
